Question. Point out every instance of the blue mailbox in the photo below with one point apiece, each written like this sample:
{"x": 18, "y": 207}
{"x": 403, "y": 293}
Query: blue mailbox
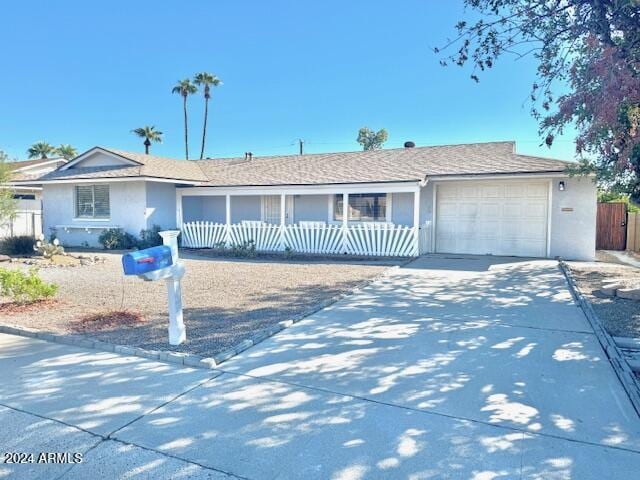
{"x": 147, "y": 260}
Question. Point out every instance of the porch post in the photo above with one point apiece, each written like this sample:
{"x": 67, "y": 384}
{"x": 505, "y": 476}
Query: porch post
{"x": 283, "y": 220}
{"x": 345, "y": 221}
{"x": 227, "y": 217}
{"x": 416, "y": 220}
{"x": 178, "y": 209}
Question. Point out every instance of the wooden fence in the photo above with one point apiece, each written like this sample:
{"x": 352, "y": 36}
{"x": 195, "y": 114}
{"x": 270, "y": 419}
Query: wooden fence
{"x": 312, "y": 237}
{"x": 633, "y": 231}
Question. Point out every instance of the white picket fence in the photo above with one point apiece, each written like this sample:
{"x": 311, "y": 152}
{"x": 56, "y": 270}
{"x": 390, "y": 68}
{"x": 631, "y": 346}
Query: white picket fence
{"x": 312, "y": 237}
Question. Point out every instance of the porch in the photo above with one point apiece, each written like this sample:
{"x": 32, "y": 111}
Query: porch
{"x": 381, "y": 220}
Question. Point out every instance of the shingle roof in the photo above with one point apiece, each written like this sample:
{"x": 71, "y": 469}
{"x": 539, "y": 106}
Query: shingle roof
{"x": 147, "y": 166}
{"x": 390, "y": 165}
{"x": 403, "y": 164}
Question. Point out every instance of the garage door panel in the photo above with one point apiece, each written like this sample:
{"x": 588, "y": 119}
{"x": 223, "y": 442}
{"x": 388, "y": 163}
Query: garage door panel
{"x": 505, "y": 218}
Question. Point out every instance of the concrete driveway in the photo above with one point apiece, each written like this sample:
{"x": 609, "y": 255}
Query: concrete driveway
{"x": 475, "y": 367}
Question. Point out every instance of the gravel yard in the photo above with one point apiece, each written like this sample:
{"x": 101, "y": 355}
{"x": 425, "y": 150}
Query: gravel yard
{"x": 225, "y": 300}
{"x": 620, "y": 317}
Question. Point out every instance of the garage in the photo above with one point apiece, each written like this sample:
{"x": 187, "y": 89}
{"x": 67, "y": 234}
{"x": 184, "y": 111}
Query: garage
{"x": 492, "y": 217}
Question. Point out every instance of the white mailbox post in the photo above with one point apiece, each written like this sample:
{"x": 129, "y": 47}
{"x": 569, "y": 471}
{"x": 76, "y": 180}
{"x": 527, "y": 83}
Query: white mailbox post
{"x": 177, "y": 331}
{"x": 158, "y": 266}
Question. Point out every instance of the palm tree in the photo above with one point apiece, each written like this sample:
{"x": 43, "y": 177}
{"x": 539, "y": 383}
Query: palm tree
{"x": 67, "y": 151}
{"x": 185, "y": 88}
{"x": 150, "y": 134}
{"x": 41, "y": 150}
{"x": 207, "y": 80}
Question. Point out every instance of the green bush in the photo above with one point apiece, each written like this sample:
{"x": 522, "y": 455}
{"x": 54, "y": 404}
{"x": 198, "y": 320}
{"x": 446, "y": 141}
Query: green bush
{"x": 22, "y": 245}
{"x": 614, "y": 197}
{"x": 117, "y": 239}
{"x": 25, "y": 287}
{"x": 244, "y": 250}
{"x": 150, "y": 238}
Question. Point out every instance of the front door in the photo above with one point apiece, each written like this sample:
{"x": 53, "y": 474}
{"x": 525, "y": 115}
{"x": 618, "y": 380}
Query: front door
{"x": 271, "y": 209}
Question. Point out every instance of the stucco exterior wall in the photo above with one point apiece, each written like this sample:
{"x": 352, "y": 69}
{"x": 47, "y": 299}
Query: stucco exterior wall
{"x": 247, "y": 207}
{"x": 127, "y": 204}
{"x": 100, "y": 159}
{"x": 573, "y": 219}
{"x": 402, "y": 209}
{"x": 311, "y": 208}
{"x": 161, "y": 205}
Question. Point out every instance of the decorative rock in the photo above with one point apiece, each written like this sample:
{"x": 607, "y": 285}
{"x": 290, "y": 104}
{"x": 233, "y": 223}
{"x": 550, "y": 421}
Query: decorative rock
{"x": 609, "y": 289}
{"x": 5, "y": 258}
{"x": 629, "y": 293}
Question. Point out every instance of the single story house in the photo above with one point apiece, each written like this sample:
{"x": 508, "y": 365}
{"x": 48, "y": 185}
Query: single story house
{"x": 28, "y": 219}
{"x": 481, "y": 198}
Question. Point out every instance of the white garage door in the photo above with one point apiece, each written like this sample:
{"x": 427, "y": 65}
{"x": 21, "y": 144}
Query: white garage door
{"x": 500, "y": 218}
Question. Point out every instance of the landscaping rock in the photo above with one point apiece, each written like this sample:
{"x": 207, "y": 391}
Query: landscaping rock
{"x": 5, "y": 258}
{"x": 629, "y": 293}
{"x": 610, "y": 289}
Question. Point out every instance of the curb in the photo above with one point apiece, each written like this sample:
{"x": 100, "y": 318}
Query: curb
{"x": 611, "y": 349}
{"x": 182, "y": 358}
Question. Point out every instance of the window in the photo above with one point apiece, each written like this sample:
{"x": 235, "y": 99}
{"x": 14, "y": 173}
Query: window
{"x": 92, "y": 201}
{"x": 24, "y": 196}
{"x": 363, "y": 207}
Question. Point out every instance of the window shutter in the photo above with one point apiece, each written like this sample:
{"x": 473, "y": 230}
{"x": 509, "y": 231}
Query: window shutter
{"x": 84, "y": 201}
{"x": 101, "y": 201}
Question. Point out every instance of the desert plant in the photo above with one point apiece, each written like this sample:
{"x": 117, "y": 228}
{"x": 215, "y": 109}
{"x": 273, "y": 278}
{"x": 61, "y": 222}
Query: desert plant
{"x": 289, "y": 252}
{"x": 150, "y": 237}
{"x": 25, "y": 287}
{"x": 48, "y": 248}
{"x": 244, "y": 250}
{"x": 117, "y": 239}
{"x": 20, "y": 245}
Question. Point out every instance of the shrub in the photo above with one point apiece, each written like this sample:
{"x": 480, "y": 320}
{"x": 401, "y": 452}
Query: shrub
{"x": 25, "y": 287}
{"x": 21, "y": 245}
{"x": 117, "y": 239}
{"x": 48, "y": 249}
{"x": 150, "y": 238}
{"x": 245, "y": 249}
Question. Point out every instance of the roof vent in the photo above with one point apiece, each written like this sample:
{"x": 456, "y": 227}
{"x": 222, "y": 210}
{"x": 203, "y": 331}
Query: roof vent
{"x": 248, "y": 155}
{"x": 409, "y": 144}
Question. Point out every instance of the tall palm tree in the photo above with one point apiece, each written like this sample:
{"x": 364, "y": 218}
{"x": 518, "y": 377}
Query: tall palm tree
{"x": 41, "y": 150}
{"x": 67, "y": 151}
{"x": 206, "y": 80}
{"x": 150, "y": 134}
{"x": 184, "y": 88}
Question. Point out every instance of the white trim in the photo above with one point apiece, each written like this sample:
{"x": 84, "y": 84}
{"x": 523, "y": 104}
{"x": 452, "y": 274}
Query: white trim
{"x": 505, "y": 176}
{"x": 108, "y": 180}
{"x": 179, "y": 220}
{"x": 395, "y": 187}
{"x": 36, "y": 165}
{"x": 549, "y": 211}
{"x": 88, "y": 153}
{"x": 434, "y": 216}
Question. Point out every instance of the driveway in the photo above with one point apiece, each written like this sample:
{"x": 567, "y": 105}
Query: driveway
{"x": 471, "y": 367}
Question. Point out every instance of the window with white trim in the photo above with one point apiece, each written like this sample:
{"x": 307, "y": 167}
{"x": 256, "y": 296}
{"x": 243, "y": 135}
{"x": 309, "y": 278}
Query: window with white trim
{"x": 363, "y": 207}
{"x": 92, "y": 201}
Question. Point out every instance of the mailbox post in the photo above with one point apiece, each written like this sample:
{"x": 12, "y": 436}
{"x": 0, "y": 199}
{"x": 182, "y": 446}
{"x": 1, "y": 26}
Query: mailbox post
{"x": 177, "y": 331}
{"x": 161, "y": 263}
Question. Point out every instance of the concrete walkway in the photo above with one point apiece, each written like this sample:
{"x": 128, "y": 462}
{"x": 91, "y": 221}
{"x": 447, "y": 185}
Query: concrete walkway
{"x": 472, "y": 367}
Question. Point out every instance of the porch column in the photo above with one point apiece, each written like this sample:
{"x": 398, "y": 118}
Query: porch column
{"x": 283, "y": 220}
{"x": 416, "y": 220}
{"x": 178, "y": 209}
{"x": 345, "y": 221}
{"x": 227, "y": 219}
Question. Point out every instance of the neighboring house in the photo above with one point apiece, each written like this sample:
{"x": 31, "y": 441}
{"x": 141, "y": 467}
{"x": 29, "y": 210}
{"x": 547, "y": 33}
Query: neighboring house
{"x": 28, "y": 220}
{"x": 477, "y": 198}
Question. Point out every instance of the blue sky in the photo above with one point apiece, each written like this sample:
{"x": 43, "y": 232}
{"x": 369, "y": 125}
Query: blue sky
{"x": 86, "y": 73}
